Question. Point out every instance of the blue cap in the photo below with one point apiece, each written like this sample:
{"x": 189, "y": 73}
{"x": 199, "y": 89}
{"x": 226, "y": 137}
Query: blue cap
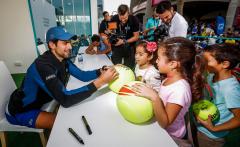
{"x": 58, "y": 33}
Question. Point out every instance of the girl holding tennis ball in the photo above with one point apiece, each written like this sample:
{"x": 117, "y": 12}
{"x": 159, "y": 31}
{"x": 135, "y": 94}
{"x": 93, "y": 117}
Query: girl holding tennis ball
{"x": 178, "y": 60}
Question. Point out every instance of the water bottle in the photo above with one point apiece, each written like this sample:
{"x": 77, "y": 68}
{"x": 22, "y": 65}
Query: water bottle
{"x": 80, "y": 60}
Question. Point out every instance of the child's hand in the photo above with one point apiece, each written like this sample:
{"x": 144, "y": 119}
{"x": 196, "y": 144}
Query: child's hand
{"x": 206, "y": 123}
{"x": 145, "y": 91}
{"x": 92, "y": 52}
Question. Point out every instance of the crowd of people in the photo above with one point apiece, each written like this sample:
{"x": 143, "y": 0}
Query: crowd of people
{"x": 173, "y": 70}
{"x": 213, "y": 32}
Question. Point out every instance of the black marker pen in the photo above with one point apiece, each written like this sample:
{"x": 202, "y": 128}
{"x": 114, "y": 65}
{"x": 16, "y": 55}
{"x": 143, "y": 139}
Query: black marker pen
{"x": 75, "y": 135}
{"x": 104, "y": 67}
{"x": 86, "y": 125}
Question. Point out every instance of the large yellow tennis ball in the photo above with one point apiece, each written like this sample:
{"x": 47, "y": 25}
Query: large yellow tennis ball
{"x": 125, "y": 75}
{"x": 204, "y": 108}
{"x": 134, "y": 108}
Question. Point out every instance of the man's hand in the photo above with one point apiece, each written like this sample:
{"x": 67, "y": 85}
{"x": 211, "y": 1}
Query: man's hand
{"x": 109, "y": 74}
{"x": 120, "y": 42}
{"x": 104, "y": 68}
{"x": 106, "y": 76}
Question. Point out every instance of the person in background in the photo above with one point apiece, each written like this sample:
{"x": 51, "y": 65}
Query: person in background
{"x": 46, "y": 79}
{"x": 99, "y": 45}
{"x": 128, "y": 28}
{"x": 83, "y": 40}
{"x": 230, "y": 36}
{"x": 172, "y": 101}
{"x": 209, "y": 30}
{"x": 212, "y": 40}
{"x": 151, "y": 25}
{"x": 229, "y": 32}
{"x": 89, "y": 38}
{"x": 103, "y": 29}
{"x": 195, "y": 29}
{"x": 237, "y": 35}
{"x": 220, "y": 60}
{"x": 145, "y": 58}
{"x": 178, "y": 24}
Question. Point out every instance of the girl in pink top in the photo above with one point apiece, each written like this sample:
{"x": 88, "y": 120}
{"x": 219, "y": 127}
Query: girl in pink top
{"x": 176, "y": 59}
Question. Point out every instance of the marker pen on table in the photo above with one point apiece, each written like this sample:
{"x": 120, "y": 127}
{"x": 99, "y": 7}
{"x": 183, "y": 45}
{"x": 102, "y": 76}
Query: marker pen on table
{"x": 86, "y": 125}
{"x": 76, "y": 135}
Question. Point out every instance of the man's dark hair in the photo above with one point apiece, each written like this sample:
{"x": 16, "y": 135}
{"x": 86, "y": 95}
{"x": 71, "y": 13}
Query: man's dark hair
{"x": 104, "y": 13}
{"x": 163, "y": 6}
{"x": 95, "y": 37}
{"x": 53, "y": 41}
{"x": 123, "y": 9}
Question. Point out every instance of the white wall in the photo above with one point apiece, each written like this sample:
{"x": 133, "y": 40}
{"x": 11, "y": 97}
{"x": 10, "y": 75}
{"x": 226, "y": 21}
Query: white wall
{"x": 94, "y": 16}
{"x": 16, "y": 35}
{"x": 44, "y": 17}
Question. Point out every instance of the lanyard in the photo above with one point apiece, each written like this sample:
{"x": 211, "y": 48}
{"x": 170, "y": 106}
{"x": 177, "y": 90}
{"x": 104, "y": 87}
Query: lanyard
{"x": 155, "y": 22}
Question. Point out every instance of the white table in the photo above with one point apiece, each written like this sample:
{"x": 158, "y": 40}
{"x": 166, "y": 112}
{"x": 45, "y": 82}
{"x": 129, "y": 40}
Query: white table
{"x": 109, "y": 128}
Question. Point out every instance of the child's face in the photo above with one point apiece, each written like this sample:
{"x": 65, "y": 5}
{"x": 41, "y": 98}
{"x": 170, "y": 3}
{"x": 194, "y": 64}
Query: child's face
{"x": 95, "y": 43}
{"x": 162, "y": 61}
{"x": 212, "y": 65}
{"x": 141, "y": 57}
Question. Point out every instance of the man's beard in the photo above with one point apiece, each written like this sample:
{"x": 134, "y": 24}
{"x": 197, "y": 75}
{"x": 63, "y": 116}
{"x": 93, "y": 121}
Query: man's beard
{"x": 123, "y": 23}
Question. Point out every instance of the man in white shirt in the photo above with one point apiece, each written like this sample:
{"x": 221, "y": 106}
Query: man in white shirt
{"x": 178, "y": 24}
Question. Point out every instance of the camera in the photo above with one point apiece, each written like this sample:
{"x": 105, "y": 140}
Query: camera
{"x": 113, "y": 38}
{"x": 161, "y": 32}
{"x": 112, "y": 35}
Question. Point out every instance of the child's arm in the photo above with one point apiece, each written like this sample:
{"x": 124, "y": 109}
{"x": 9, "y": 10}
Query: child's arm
{"x": 107, "y": 44}
{"x": 231, "y": 124}
{"x": 164, "y": 115}
{"x": 90, "y": 49}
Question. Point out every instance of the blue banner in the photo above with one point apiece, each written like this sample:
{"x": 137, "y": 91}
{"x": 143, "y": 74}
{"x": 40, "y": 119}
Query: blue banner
{"x": 220, "y": 24}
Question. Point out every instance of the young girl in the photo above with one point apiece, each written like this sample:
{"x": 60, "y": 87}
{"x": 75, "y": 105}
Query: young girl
{"x": 176, "y": 59}
{"x": 221, "y": 59}
{"x": 145, "y": 57}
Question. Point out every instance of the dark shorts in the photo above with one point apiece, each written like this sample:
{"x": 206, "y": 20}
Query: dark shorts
{"x": 205, "y": 141}
{"x": 24, "y": 119}
{"x": 126, "y": 52}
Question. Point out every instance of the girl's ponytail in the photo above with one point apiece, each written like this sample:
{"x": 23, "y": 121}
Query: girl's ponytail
{"x": 198, "y": 79}
{"x": 192, "y": 63}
